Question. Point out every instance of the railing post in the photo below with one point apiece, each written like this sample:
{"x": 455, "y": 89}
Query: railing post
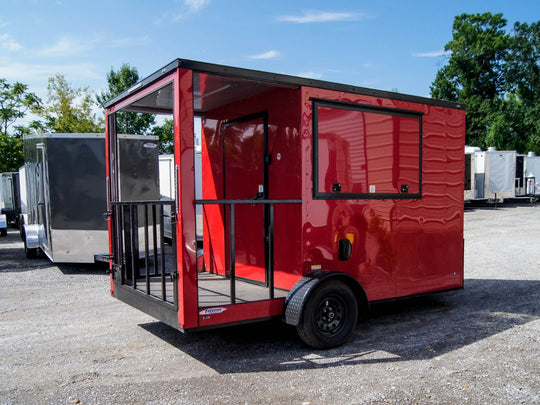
{"x": 232, "y": 254}
{"x": 147, "y": 269}
{"x": 270, "y": 248}
{"x": 126, "y": 216}
{"x": 134, "y": 217}
{"x": 154, "y": 240}
{"x": 162, "y": 247}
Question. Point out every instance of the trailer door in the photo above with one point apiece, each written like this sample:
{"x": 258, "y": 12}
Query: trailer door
{"x": 245, "y": 177}
{"x": 42, "y": 196}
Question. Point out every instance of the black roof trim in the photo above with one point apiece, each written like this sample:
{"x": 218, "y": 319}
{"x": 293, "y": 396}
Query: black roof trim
{"x": 276, "y": 78}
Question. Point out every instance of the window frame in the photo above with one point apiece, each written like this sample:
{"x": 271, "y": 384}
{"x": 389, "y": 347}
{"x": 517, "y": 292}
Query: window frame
{"x": 319, "y": 195}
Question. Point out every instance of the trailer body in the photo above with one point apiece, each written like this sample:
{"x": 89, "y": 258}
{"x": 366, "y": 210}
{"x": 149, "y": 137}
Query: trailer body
{"x": 10, "y": 204}
{"x": 500, "y": 174}
{"x": 532, "y": 174}
{"x": 317, "y": 199}
{"x": 65, "y": 196}
{"x": 474, "y": 174}
{"x": 23, "y": 216}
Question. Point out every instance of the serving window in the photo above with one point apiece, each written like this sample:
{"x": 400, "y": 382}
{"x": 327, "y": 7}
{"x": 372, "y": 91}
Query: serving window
{"x": 365, "y": 152}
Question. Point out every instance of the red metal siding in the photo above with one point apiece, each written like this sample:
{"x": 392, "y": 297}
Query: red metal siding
{"x": 400, "y": 246}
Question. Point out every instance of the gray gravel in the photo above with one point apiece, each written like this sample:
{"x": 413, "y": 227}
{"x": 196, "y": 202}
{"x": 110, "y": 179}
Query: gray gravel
{"x": 64, "y": 340}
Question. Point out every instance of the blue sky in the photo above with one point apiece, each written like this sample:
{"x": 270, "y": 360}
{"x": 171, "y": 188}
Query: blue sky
{"x": 386, "y": 44}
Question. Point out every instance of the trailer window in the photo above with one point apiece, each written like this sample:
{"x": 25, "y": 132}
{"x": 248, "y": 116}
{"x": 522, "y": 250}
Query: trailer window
{"x": 366, "y": 152}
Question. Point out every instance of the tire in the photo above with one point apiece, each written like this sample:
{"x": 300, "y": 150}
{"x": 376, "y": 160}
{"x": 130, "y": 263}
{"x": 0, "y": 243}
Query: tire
{"x": 329, "y": 316}
{"x": 3, "y": 232}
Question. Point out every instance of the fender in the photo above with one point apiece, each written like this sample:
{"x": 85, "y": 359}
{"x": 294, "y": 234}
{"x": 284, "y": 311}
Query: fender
{"x": 297, "y": 297}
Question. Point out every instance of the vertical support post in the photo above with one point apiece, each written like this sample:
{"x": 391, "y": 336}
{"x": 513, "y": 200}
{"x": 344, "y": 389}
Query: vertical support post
{"x": 270, "y": 250}
{"x": 134, "y": 243}
{"x": 146, "y": 268}
{"x": 162, "y": 261}
{"x": 173, "y": 244}
{"x": 126, "y": 268}
{"x": 231, "y": 254}
{"x": 119, "y": 235}
{"x": 154, "y": 240}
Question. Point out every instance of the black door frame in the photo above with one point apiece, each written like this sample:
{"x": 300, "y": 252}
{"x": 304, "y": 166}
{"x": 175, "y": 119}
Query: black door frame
{"x": 266, "y": 163}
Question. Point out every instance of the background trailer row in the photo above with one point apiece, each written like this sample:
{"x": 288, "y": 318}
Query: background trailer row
{"x": 65, "y": 193}
{"x": 317, "y": 199}
{"x": 497, "y": 176}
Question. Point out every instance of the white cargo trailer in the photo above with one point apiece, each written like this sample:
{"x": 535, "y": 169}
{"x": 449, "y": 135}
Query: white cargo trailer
{"x": 532, "y": 174}
{"x": 9, "y": 197}
{"x": 500, "y": 174}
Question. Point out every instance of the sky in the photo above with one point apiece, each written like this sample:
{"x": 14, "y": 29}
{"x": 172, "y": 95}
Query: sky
{"x": 383, "y": 44}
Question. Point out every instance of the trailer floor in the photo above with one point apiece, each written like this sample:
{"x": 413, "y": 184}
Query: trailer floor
{"x": 216, "y": 290}
{"x": 213, "y": 290}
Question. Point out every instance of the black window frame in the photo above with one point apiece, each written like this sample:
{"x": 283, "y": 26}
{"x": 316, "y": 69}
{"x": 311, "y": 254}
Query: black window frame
{"x": 318, "y": 195}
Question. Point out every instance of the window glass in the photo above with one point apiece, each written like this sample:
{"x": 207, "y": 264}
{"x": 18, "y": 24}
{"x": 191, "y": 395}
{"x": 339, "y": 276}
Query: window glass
{"x": 363, "y": 151}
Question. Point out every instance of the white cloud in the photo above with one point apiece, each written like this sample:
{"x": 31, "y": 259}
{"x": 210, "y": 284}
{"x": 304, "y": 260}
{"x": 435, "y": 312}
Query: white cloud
{"x": 6, "y": 42}
{"x": 310, "y": 75}
{"x": 64, "y": 47}
{"x": 314, "y": 16}
{"x": 68, "y": 46}
{"x": 196, "y": 5}
{"x": 266, "y": 55}
{"x": 28, "y": 72}
{"x": 434, "y": 54}
{"x": 187, "y": 8}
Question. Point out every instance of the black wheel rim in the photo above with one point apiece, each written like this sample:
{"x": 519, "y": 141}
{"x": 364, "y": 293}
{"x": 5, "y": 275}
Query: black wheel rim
{"x": 331, "y": 315}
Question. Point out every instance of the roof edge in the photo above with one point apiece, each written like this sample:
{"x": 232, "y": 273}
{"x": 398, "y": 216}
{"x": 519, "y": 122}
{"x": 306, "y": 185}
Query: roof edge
{"x": 277, "y": 78}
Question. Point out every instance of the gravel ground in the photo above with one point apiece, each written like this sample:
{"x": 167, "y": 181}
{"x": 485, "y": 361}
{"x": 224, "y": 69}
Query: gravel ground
{"x": 64, "y": 340}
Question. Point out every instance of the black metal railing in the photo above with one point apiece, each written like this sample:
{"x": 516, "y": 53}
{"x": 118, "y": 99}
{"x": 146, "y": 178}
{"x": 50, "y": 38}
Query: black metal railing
{"x": 268, "y": 237}
{"x": 142, "y": 259}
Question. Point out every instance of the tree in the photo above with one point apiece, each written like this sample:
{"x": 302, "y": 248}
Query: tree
{"x": 11, "y": 153}
{"x": 15, "y": 102}
{"x": 523, "y": 72}
{"x": 69, "y": 110}
{"x": 497, "y": 75}
{"x": 126, "y": 122}
{"x": 474, "y": 73}
{"x": 165, "y": 132}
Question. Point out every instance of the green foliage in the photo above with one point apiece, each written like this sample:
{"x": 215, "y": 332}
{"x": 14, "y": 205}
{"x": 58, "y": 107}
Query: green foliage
{"x": 15, "y": 102}
{"x": 69, "y": 110}
{"x": 11, "y": 153}
{"x": 165, "y": 132}
{"x": 126, "y": 122}
{"x": 496, "y": 75}
{"x": 523, "y": 71}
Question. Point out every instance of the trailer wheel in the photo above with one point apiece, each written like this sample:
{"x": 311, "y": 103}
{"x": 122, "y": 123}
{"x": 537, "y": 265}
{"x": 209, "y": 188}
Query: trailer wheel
{"x": 329, "y": 316}
{"x": 30, "y": 253}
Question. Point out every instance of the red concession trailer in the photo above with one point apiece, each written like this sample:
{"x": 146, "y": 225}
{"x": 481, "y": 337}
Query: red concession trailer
{"x": 318, "y": 199}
